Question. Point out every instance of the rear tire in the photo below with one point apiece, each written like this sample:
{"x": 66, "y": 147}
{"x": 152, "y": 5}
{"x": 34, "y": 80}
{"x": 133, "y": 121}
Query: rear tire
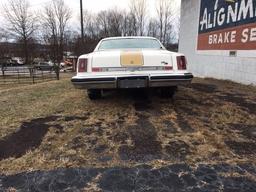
{"x": 168, "y": 92}
{"x": 94, "y": 94}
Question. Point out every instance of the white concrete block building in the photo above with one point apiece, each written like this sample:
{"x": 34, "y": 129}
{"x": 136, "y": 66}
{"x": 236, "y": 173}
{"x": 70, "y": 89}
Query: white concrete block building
{"x": 219, "y": 38}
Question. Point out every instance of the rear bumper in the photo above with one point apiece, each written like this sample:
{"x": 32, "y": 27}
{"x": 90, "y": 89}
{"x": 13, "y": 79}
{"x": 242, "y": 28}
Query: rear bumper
{"x": 111, "y": 82}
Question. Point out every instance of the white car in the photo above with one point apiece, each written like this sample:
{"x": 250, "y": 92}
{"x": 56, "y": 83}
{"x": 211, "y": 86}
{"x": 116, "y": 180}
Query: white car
{"x": 131, "y": 62}
{"x": 18, "y": 60}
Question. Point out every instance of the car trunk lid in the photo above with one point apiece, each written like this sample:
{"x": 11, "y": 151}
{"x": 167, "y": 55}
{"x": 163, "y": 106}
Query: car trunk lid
{"x": 116, "y": 60}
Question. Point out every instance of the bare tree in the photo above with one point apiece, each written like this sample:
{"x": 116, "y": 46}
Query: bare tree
{"x": 177, "y": 25}
{"x": 152, "y": 28}
{"x": 115, "y": 19}
{"x": 102, "y": 20}
{"x": 126, "y": 24}
{"x": 104, "y": 24}
{"x": 91, "y": 27}
{"x": 114, "y": 22}
{"x": 4, "y": 36}
{"x": 165, "y": 19}
{"x": 133, "y": 23}
{"x": 55, "y": 19}
{"x": 138, "y": 9}
{"x": 21, "y": 21}
{"x": 132, "y": 29}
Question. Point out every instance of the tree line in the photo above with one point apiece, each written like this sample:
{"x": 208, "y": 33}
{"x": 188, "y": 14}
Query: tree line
{"x": 133, "y": 22}
{"x": 51, "y": 26}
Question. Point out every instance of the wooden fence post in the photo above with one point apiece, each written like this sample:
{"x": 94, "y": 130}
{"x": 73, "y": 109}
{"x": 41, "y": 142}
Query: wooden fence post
{"x": 18, "y": 75}
{"x": 33, "y": 75}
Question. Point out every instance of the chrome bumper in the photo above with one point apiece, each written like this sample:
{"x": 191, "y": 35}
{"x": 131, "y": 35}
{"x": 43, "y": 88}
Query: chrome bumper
{"x": 112, "y": 82}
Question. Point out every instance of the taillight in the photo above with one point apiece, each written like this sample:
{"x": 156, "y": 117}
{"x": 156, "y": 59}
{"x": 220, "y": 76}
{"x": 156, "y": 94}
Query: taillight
{"x": 182, "y": 63}
{"x": 168, "y": 68}
{"x": 96, "y": 69}
{"x": 82, "y": 65}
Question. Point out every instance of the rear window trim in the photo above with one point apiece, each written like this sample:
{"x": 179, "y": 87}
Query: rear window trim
{"x": 99, "y": 44}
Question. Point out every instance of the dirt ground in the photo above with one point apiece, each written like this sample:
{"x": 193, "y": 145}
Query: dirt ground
{"x": 52, "y": 126}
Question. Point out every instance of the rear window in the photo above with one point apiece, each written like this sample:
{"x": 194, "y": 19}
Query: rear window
{"x": 129, "y": 44}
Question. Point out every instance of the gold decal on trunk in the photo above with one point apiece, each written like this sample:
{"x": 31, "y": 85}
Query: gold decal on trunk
{"x": 132, "y": 58}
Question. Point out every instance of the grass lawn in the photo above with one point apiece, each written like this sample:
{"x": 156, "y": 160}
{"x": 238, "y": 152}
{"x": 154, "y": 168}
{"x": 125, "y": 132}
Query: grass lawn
{"x": 51, "y": 125}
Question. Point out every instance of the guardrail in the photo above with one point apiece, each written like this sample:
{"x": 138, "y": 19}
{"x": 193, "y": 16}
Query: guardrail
{"x": 25, "y": 74}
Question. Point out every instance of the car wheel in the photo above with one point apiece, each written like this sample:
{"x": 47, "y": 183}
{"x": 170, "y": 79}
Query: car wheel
{"x": 168, "y": 92}
{"x": 94, "y": 94}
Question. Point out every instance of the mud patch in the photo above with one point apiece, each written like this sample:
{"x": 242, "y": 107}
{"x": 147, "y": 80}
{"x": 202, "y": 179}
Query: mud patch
{"x": 105, "y": 158}
{"x": 100, "y": 148}
{"x": 121, "y": 118}
{"x": 170, "y": 128}
{"x": 120, "y": 137}
{"x": 92, "y": 130}
{"x": 174, "y": 177}
{"x": 141, "y": 100}
{"x": 142, "y": 105}
{"x": 197, "y": 101}
{"x": 28, "y": 137}
{"x": 239, "y": 101}
{"x": 76, "y": 143}
{"x": 206, "y": 88}
{"x": 188, "y": 110}
{"x": 145, "y": 145}
{"x": 92, "y": 142}
{"x": 73, "y": 118}
{"x": 177, "y": 149}
{"x": 87, "y": 131}
{"x": 248, "y": 131}
{"x": 242, "y": 148}
{"x": 184, "y": 124}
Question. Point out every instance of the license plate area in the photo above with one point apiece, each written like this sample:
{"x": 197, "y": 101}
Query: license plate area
{"x": 132, "y": 82}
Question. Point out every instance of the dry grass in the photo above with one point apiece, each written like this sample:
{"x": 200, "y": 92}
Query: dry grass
{"x": 195, "y": 127}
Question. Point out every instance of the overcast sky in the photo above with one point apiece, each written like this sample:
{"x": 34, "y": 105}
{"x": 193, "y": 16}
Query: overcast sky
{"x": 91, "y": 5}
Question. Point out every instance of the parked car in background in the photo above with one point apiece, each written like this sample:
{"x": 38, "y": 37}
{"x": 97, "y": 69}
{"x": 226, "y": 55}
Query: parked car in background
{"x": 131, "y": 62}
{"x": 8, "y": 62}
{"x": 66, "y": 69}
{"x": 18, "y": 60}
{"x": 44, "y": 66}
{"x": 62, "y": 64}
{"x": 66, "y": 64}
{"x": 50, "y": 63}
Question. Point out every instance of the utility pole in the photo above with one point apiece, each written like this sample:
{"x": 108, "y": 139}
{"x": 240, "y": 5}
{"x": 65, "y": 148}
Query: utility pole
{"x": 82, "y": 20}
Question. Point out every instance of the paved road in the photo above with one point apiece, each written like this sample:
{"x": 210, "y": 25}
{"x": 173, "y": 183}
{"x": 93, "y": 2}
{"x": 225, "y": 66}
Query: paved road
{"x": 175, "y": 177}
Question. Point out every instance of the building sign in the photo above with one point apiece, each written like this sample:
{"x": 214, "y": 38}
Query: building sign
{"x": 227, "y": 25}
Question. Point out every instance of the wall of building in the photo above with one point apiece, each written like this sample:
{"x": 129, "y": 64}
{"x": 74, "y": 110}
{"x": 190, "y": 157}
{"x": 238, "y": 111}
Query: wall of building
{"x": 238, "y": 69}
